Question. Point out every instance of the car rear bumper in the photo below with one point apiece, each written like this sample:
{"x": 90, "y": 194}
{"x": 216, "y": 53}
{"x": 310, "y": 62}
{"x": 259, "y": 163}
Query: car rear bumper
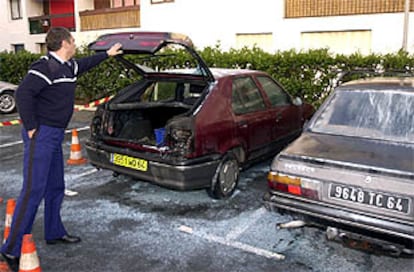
{"x": 191, "y": 175}
{"x": 336, "y": 215}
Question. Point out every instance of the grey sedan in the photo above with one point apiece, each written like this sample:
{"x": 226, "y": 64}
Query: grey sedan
{"x": 352, "y": 169}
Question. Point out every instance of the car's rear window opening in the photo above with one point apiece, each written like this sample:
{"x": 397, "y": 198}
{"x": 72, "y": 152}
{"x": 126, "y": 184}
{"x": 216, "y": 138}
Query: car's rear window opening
{"x": 186, "y": 93}
{"x": 150, "y": 109}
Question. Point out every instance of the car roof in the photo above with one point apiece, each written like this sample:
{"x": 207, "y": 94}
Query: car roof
{"x": 217, "y": 72}
{"x": 223, "y": 72}
{"x": 380, "y": 83}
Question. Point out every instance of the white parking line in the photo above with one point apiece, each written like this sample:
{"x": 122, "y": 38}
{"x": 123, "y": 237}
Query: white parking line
{"x": 11, "y": 144}
{"x": 19, "y": 142}
{"x": 69, "y": 177}
{"x": 70, "y": 192}
{"x": 234, "y": 244}
{"x": 78, "y": 129}
{"x": 72, "y": 177}
{"x": 237, "y": 231}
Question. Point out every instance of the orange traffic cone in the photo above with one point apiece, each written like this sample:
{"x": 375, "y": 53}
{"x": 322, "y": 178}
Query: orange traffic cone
{"x": 11, "y": 204}
{"x": 29, "y": 261}
{"x": 75, "y": 150}
{"x": 4, "y": 267}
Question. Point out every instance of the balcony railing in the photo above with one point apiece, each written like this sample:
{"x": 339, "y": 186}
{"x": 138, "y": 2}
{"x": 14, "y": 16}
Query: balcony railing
{"x": 41, "y": 24}
{"x": 110, "y": 18}
{"x": 318, "y": 8}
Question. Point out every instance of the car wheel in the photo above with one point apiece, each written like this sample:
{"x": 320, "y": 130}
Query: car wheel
{"x": 7, "y": 102}
{"x": 226, "y": 178}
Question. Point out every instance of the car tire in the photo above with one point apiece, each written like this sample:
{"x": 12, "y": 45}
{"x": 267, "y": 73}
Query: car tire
{"x": 7, "y": 102}
{"x": 226, "y": 178}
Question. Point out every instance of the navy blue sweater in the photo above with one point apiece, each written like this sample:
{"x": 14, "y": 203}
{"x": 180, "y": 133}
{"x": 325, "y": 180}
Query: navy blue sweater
{"x": 46, "y": 94}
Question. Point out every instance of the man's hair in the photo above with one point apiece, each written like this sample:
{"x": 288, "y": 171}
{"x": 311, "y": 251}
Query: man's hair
{"x": 55, "y": 36}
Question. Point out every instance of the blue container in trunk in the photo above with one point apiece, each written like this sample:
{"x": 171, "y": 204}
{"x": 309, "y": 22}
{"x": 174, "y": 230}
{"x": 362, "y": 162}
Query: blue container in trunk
{"x": 159, "y": 136}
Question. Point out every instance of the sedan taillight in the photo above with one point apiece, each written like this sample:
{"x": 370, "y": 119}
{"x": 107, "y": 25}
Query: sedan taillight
{"x": 96, "y": 126}
{"x": 300, "y": 186}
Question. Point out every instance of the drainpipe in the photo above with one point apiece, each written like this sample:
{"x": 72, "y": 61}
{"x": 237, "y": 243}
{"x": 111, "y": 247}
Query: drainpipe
{"x": 406, "y": 17}
{"x": 76, "y": 14}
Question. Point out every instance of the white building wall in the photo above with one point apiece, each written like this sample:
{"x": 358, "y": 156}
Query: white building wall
{"x": 208, "y": 22}
{"x": 11, "y": 29}
{"x": 17, "y": 31}
{"x": 387, "y": 30}
{"x": 32, "y": 8}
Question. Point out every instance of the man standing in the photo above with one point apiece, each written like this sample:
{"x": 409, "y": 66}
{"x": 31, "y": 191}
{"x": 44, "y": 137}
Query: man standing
{"x": 45, "y": 99}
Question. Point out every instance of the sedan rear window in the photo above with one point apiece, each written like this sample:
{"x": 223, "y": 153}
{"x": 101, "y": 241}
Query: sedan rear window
{"x": 385, "y": 115}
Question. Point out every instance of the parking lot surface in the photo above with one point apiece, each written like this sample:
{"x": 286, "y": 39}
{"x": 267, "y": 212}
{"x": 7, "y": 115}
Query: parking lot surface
{"x": 130, "y": 225}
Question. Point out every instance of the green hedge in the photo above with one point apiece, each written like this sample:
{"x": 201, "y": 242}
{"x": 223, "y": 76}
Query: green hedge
{"x": 308, "y": 74}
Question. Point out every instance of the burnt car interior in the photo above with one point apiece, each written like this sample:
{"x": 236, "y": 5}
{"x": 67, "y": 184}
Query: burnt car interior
{"x": 136, "y": 117}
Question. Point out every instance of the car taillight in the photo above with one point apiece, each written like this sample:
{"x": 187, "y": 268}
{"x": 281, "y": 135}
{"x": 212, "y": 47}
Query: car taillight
{"x": 97, "y": 123}
{"x": 96, "y": 126}
{"x": 181, "y": 140}
{"x": 294, "y": 185}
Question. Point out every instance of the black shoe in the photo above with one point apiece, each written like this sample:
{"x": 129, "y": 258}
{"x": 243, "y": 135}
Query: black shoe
{"x": 12, "y": 262}
{"x": 66, "y": 239}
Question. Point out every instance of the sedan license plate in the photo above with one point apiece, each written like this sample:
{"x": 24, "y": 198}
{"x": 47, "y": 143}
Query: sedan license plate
{"x": 380, "y": 200}
{"x": 130, "y": 162}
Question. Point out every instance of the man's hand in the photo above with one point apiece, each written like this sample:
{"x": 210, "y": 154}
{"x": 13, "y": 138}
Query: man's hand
{"x": 115, "y": 50}
{"x": 30, "y": 133}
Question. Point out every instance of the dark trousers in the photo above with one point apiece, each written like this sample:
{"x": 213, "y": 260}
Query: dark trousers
{"x": 43, "y": 179}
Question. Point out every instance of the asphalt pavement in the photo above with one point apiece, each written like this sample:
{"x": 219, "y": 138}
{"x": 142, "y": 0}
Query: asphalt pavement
{"x": 131, "y": 225}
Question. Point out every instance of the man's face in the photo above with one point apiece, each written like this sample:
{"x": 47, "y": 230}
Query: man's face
{"x": 70, "y": 47}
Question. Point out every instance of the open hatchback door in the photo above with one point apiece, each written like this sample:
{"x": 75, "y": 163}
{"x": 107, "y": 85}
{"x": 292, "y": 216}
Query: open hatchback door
{"x": 151, "y": 45}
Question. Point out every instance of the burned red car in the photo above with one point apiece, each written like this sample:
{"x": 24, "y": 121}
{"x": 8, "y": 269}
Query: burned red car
{"x": 190, "y": 128}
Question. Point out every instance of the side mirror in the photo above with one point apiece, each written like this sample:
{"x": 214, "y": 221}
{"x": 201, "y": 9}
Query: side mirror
{"x": 297, "y": 101}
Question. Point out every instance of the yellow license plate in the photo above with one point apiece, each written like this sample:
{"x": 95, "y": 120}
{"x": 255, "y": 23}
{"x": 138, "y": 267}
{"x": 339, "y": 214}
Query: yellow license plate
{"x": 130, "y": 162}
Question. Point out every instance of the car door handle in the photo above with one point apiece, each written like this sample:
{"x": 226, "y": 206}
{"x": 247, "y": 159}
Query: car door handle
{"x": 242, "y": 124}
{"x": 278, "y": 117}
